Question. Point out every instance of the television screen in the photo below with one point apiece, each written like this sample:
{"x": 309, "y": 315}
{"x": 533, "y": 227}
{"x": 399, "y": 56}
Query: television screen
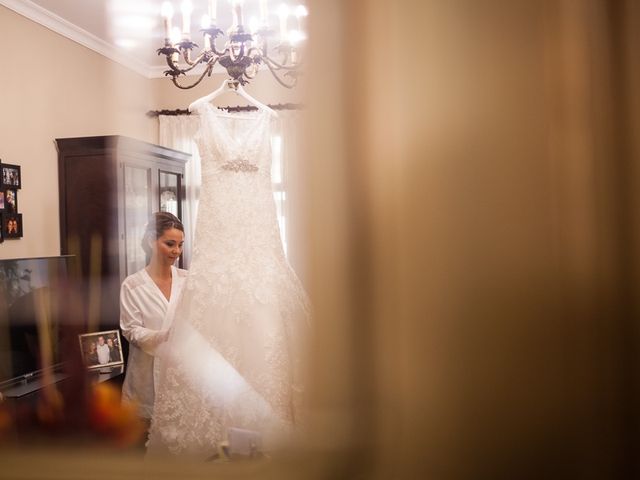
{"x": 34, "y": 300}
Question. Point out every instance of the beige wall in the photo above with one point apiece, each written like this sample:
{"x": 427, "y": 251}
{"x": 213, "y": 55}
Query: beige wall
{"x": 62, "y": 89}
{"x": 58, "y": 88}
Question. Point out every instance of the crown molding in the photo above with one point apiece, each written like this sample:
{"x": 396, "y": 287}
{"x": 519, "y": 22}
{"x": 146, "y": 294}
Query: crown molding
{"x": 53, "y": 22}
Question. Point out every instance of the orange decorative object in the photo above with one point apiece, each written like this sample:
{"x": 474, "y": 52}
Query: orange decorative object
{"x": 109, "y": 416}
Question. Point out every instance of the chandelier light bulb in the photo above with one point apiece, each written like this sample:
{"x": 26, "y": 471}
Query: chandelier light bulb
{"x": 186, "y": 8}
{"x": 166, "y": 10}
{"x": 283, "y": 10}
{"x": 283, "y": 13}
{"x": 301, "y": 11}
{"x": 213, "y": 11}
{"x": 205, "y": 21}
{"x": 254, "y": 24}
{"x": 264, "y": 12}
{"x": 175, "y": 35}
{"x": 295, "y": 37}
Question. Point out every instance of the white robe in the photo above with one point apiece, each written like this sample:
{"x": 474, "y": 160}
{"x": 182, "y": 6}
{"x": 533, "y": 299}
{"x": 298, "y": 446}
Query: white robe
{"x": 145, "y": 317}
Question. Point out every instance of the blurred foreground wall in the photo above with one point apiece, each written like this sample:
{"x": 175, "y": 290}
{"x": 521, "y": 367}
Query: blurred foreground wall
{"x": 474, "y": 229}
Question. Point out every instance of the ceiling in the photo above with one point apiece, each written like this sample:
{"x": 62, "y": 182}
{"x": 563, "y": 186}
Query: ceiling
{"x": 126, "y": 31}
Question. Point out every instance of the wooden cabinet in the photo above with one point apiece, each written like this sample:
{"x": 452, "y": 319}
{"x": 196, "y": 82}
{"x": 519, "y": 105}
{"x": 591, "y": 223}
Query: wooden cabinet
{"x": 109, "y": 186}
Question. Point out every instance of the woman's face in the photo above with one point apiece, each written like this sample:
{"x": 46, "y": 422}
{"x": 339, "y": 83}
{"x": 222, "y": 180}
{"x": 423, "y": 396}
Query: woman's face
{"x": 168, "y": 247}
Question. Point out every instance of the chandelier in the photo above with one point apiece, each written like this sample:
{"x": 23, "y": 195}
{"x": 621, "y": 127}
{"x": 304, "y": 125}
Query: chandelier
{"x": 245, "y": 50}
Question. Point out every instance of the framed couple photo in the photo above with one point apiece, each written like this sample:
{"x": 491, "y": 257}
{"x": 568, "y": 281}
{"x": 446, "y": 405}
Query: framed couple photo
{"x": 11, "y": 225}
{"x": 101, "y": 349}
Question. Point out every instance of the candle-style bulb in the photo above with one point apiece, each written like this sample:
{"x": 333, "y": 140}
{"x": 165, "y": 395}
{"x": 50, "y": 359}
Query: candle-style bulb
{"x": 264, "y": 12}
{"x": 283, "y": 13}
{"x": 175, "y": 35}
{"x": 213, "y": 11}
{"x": 283, "y": 10}
{"x": 187, "y": 8}
{"x": 205, "y": 21}
{"x": 254, "y": 24}
{"x": 295, "y": 37}
{"x": 166, "y": 10}
{"x": 301, "y": 11}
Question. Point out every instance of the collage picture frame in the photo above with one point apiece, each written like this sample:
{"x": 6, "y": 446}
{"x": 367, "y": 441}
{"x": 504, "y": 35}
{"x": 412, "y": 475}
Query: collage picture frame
{"x": 11, "y": 225}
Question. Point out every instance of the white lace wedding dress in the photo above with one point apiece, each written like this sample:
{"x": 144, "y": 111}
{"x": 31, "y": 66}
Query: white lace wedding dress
{"x": 234, "y": 355}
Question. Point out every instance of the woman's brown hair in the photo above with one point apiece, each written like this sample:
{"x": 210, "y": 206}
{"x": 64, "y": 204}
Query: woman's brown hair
{"x": 158, "y": 224}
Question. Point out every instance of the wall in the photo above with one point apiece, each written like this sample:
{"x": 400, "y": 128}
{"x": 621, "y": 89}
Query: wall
{"x": 58, "y": 88}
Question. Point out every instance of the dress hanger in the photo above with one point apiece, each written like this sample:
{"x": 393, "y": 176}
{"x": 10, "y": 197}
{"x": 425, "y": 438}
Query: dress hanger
{"x": 232, "y": 85}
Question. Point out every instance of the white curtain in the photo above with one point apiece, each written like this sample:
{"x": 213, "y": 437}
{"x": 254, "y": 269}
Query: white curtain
{"x": 177, "y": 131}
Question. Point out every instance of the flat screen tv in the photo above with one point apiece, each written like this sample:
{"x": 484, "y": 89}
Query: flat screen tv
{"x": 34, "y": 301}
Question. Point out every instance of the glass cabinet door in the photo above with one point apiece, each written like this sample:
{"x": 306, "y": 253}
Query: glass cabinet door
{"x": 170, "y": 188}
{"x": 137, "y": 209}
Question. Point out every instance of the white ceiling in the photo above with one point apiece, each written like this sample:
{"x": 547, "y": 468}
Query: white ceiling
{"x": 126, "y": 31}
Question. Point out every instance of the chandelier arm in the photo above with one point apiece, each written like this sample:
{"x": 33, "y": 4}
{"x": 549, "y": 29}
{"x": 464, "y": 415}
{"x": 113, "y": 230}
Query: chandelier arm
{"x": 183, "y": 87}
{"x": 255, "y": 50}
{"x": 176, "y": 70}
{"x": 187, "y": 58}
{"x": 251, "y": 76}
{"x": 278, "y": 66}
{"x": 216, "y": 52}
{"x": 279, "y": 80}
{"x": 186, "y": 54}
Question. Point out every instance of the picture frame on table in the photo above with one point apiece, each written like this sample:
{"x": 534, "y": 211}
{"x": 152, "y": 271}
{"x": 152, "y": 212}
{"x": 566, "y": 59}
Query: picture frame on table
{"x": 94, "y": 353}
{"x": 10, "y": 200}
{"x": 10, "y": 176}
{"x": 11, "y": 225}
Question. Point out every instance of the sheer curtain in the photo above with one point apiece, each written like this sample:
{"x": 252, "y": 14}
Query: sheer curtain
{"x": 177, "y": 131}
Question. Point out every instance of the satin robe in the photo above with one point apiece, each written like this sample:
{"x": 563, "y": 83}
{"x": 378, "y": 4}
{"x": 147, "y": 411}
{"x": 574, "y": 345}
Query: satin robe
{"x": 145, "y": 317}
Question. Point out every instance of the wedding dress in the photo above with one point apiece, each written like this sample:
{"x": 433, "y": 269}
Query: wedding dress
{"x": 234, "y": 356}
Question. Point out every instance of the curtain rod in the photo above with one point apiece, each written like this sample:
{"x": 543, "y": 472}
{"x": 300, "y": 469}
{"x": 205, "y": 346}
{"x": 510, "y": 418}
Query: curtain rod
{"x": 237, "y": 108}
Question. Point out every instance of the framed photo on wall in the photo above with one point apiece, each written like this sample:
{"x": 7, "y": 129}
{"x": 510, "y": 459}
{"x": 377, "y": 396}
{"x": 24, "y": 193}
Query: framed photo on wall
{"x": 10, "y": 200}
{"x": 11, "y": 225}
{"x": 1, "y": 200}
{"x": 101, "y": 349}
{"x": 11, "y": 176}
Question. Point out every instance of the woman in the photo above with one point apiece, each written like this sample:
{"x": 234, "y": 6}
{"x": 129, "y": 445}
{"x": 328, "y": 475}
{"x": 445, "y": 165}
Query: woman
{"x": 114, "y": 354}
{"x": 92, "y": 354}
{"x": 147, "y": 303}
